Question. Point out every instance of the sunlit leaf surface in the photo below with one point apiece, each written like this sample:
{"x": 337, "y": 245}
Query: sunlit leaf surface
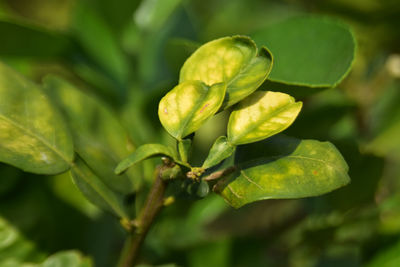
{"x": 33, "y": 135}
{"x": 283, "y": 168}
{"x": 186, "y": 107}
{"x": 261, "y": 115}
{"x": 232, "y": 60}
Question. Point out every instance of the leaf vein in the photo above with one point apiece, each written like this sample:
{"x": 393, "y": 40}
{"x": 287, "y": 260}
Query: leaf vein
{"x": 250, "y": 180}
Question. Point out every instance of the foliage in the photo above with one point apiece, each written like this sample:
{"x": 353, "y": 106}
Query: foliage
{"x": 93, "y": 93}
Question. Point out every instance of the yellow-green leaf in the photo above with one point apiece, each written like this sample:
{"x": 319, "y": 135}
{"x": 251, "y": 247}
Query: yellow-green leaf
{"x": 188, "y": 105}
{"x": 262, "y": 115}
{"x": 232, "y": 60}
{"x": 283, "y": 168}
{"x": 33, "y": 135}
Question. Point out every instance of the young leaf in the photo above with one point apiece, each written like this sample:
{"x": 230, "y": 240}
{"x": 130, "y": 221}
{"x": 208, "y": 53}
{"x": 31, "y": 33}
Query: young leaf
{"x": 283, "y": 168}
{"x": 96, "y": 191}
{"x": 144, "y": 152}
{"x": 99, "y": 138}
{"x": 232, "y": 60}
{"x": 33, "y": 135}
{"x": 261, "y": 115}
{"x": 220, "y": 150}
{"x": 309, "y": 51}
{"x": 186, "y": 107}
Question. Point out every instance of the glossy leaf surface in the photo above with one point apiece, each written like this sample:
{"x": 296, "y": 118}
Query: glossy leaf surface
{"x": 220, "y": 150}
{"x": 260, "y": 116}
{"x": 284, "y": 168}
{"x": 99, "y": 138}
{"x": 144, "y": 152}
{"x": 188, "y": 106}
{"x": 33, "y": 135}
{"x": 232, "y": 60}
{"x": 309, "y": 51}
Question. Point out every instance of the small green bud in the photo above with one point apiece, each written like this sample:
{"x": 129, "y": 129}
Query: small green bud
{"x": 203, "y": 189}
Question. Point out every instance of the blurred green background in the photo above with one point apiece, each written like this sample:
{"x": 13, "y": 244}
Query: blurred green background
{"x": 128, "y": 53}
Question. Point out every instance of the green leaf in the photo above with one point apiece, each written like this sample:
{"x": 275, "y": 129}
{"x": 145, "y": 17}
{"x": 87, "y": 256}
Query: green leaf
{"x": 151, "y": 15}
{"x": 384, "y": 121}
{"x": 220, "y": 150}
{"x": 188, "y": 106}
{"x": 184, "y": 147}
{"x": 99, "y": 138}
{"x": 42, "y": 43}
{"x": 283, "y": 168}
{"x": 33, "y": 135}
{"x": 99, "y": 42}
{"x": 261, "y": 115}
{"x": 144, "y": 152}
{"x": 96, "y": 191}
{"x": 177, "y": 50}
{"x": 386, "y": 257}
{"x": 13, "y": 245}
{"x": 309, "y": 51}
{"x": 116, "y": 14}
{"x": 232, "y": 60}
{"x": 67, "y": 259}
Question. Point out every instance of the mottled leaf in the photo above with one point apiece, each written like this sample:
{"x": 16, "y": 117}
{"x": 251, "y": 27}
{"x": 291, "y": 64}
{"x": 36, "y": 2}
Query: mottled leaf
{"x": 96, "y": 191}
{"x": 309, "y": 51}
{"x": 99, "y": 138}
{"x": 220, "y": 150}
{"x": 261, "y": 115}
{"x": 283, "y": 168}
{"x": 188, "y": 106}
{"x": 144, "y": 152}
{"x": 33, "y": 135}
{"x": 232, "y": 60}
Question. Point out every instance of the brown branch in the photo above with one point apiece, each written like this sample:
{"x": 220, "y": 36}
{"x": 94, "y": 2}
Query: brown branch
{"x": 152, "y": 207}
